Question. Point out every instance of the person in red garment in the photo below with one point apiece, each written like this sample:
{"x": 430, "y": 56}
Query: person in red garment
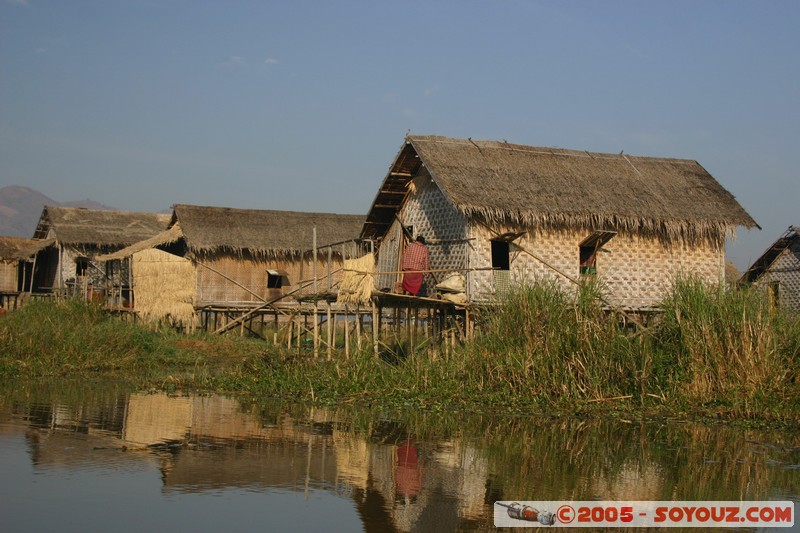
{"x": 415, "y": 262}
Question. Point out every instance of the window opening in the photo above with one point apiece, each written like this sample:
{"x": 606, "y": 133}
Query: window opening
{"x": 501, "y": 259}
{"x": 588, "y": 251}
{"x": 81, "y": 266}
{"x": 276, "y": 279}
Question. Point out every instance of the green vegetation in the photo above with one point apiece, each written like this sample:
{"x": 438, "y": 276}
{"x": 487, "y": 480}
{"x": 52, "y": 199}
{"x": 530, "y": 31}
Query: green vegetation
{"x": 711, "y": 352}
{"x": 72, "y": 339}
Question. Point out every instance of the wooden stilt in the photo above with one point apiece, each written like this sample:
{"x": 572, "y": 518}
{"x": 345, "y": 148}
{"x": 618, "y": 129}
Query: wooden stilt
{"x": 414, "y": 331}
{"x": 316, "y": 292}
{"x": 408, "y": 325}
{"x": 346, "y": 333}
{"x": 329, "y": 330}
{"x": 359, "y": 323}
{"x": 375, "y": 329}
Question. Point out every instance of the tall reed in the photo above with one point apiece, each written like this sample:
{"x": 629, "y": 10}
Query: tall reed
{"x": 545, "y": 343}
{"x": 727, "y": 344}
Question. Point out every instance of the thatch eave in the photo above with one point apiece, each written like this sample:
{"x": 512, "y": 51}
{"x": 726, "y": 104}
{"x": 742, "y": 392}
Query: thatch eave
{"x": 669, "y": 229}
{"x": 263, "y": 233}
{"x": 553, "y": 189}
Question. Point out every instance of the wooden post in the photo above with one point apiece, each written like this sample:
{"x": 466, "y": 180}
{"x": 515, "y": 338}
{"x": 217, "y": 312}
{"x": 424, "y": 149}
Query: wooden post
{"x": 33, "y": 273}
{"x": 60, "y": 269}
{"x": 409, "y": 340}
{"x": 330, "y": 258}
{"x": 359, "y": 320}
{"x": 346, "y": 333}
{"x": 329, "y": 331}
{"x": 316, "y": 291}
{"x": 375, "y": 329}
{"x": 414, "y": 331}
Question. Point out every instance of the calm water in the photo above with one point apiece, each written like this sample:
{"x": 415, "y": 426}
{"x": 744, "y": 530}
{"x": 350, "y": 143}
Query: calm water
{"x": 100, "y": 458}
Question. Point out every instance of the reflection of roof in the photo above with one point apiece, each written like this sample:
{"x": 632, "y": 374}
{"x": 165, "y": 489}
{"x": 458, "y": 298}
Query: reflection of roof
{"x": 763, "y": 263}
{"x": 75, "y": 226}
{"x": 551, "y": 187}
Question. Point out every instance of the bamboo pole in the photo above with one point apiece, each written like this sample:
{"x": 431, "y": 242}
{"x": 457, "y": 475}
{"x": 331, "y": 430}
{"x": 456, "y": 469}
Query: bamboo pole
{"x": 346, "y": 333}
{"x": 316, "y": 291}
{"x": 329, "y": 330}
{"x": 375, "y": 329}
{"x": 359, "y": 321}
{"x": 33, "y": 273}
{"x": 60, "y": 269}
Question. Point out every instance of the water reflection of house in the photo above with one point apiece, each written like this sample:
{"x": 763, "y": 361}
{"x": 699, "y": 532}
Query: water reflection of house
{"x": 231, "y": 447}
{"x": 156, "y": 418}
{"x": 469, "y": 473}
{"x": 635, "y": 482}
{"x": 352, "y": 458}
{"x": 429, "y": 486}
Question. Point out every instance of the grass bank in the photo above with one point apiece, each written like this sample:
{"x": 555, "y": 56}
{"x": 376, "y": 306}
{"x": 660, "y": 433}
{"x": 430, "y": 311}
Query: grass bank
{"x": 47, "y": 339}
{"x": 712, "y": 352}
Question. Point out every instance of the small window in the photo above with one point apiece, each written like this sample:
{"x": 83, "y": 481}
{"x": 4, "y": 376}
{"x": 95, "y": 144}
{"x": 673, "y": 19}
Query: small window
{"x": 588, "y": 250}
{"x": 588, "y": 261}
{"x": 81, "y": 266}
{"x": 500, "y": 255}
{"x": 277, "y": 279}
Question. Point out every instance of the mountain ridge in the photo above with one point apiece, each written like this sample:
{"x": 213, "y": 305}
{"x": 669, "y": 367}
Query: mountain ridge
{"x": 20, "y": 208}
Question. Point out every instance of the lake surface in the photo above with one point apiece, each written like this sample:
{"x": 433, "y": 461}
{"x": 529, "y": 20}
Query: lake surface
{"x": 97, "y": 457}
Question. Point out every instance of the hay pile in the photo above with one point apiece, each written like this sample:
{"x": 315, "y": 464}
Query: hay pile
{"x": 358, "y": 280}
{"x": 164, "y": 286}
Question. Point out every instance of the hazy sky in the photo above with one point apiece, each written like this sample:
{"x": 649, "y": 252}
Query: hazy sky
{"x": 302, "y": 105}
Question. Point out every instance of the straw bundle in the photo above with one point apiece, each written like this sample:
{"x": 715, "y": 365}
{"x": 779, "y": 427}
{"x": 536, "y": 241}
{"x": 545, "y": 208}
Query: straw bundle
{"x": 358, "y": 280}
{"x": 164, "y": 286}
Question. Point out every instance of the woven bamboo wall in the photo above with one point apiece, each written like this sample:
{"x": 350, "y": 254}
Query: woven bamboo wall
{"x": 213, "y": 287}
{"x": 8, "y": 276}
{"x": 785, "y": 270}
{"x": 95, "y": 273}
{"x": 433, "y": 216}
{"x": 388, "y": 255}
{"x": 251, "y": 272}
{"x": 637, "y": 272}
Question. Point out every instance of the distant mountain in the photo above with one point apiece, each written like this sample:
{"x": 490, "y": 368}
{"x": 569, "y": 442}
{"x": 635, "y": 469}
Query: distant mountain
{"x": 20, "y": 208}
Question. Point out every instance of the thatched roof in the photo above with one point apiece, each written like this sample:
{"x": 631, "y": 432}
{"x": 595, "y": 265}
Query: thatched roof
{"x": 261, "y": 232}
{"x": 15, "y": 248}
{"x": 168, "y": 236}
{"x": 92, "y": 227}
{"x": 557, "y": 188}
{"x": 762, "y": 264}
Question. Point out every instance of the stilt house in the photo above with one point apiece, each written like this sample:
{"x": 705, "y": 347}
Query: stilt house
{"x": 778, "y": 270}
{"x": 504, "y": 214}
{"x": 236, "y": 258}
{"x": 78, "y": 236}
{"x": 16, "y": 262}
{"x": 16, "y": 267}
